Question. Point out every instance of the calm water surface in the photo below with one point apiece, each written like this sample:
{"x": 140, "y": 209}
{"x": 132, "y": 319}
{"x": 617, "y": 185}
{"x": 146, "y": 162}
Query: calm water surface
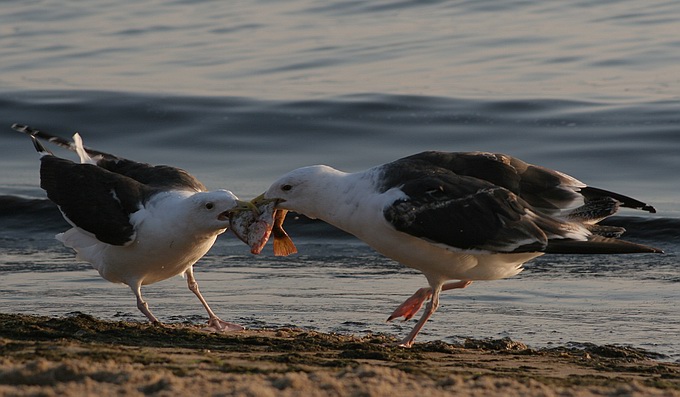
{"x": 238, "y": 93}
{"x": 606, "y": 50}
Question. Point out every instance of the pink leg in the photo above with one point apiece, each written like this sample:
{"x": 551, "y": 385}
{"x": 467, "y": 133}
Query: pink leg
{"x": 431, "y": 307}
{"x": 142, "y": 305}
{"x": 214, "y": 323}
{"x": 412, "y": 305}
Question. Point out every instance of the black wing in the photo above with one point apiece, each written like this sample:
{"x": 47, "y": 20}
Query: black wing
{"x": 160, "y": 176}
{"x": 544, "y": 189}
{"x": 466, "y": 212}
{"x": 92, "y": 198}
{"x": 469, "y": 213}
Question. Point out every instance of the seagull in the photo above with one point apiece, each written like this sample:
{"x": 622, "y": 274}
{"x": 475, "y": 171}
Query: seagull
{"x": 137, "y": 224}
{"x": 458, "y": 216}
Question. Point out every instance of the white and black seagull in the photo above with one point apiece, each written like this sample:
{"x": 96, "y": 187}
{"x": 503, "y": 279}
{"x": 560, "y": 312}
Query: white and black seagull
{"x": 458, "y": 216}
{"x": 136, "y": 223}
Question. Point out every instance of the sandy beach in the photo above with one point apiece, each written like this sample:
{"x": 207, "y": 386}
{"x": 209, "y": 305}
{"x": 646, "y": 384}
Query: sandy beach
{"x": 81, "y": 355}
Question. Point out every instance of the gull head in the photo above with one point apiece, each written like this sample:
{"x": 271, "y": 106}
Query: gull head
{"x": 301, "y": 190}
{"x": 211, "y": 210}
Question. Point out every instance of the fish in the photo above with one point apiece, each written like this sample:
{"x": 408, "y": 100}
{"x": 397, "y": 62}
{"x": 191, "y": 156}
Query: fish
{"x": 283, "y": 245}
{"x": 255, "y": 228}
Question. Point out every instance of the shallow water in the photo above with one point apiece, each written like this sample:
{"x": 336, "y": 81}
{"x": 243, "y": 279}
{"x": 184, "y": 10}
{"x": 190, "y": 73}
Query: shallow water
{"x": 241, "y": 94}
{"x": 337, "y": 284}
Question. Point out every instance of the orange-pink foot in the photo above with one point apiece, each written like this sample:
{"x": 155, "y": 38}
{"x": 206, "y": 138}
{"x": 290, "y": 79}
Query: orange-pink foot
{"x": 412, "y": 305}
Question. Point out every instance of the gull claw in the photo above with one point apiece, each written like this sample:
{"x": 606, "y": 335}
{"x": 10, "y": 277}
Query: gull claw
{"x": 217, "y": 325}
{"x": 407, "y": 344}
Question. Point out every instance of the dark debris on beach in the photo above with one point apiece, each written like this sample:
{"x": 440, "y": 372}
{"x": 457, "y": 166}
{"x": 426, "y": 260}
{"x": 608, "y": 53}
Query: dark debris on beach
{"x": 183, "y": 349}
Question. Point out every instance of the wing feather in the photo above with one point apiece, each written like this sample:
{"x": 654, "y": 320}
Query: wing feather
{"x": 548, "y": 191}
{"x": 468, "y": 213}
{"x": 161, "y": 176}
{"x": 493, "y": 202}
{"x": 92, "y": 198}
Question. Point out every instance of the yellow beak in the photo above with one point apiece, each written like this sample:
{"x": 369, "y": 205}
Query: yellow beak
{"x": 242, "y": 205}
{"x": 260, "y": 200}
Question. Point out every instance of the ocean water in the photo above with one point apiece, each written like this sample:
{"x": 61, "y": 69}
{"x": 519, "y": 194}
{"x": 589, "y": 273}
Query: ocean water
{"x": 239, "y": 93}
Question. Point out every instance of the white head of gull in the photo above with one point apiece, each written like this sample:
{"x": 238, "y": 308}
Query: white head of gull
{"x": 458, "y": 216}
{"x": 137, "y": 224}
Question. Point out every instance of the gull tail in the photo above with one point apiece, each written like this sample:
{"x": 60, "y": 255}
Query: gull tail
{"x": 598, "y": 245}
{"x": 59, "y": 141}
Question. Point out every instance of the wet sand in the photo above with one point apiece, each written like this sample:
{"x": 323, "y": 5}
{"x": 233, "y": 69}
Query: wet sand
{"x": 81, "y": 355}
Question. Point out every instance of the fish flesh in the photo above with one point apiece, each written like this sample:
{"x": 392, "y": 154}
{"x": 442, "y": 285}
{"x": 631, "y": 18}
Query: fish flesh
{"x": 255, "y": 229}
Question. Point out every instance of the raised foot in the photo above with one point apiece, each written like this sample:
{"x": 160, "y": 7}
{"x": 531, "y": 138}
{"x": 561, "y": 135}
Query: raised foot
{"x": 217, "y": 325}
{"x": 412, "y": 305}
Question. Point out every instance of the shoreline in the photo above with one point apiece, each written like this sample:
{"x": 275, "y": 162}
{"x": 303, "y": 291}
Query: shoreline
{"x": 81, "y": 355}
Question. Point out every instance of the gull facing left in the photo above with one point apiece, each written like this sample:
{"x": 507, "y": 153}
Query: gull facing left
{"x": 458, "y": 216}
{"x": 136, "y": 223}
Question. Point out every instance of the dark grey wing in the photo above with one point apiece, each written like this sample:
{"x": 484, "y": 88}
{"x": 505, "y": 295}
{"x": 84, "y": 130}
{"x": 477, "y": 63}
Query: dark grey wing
{"x": 546, "y": 190}
{"x": 468, "y": 213}
{"x": 57, "y": 140}
{"x": 160, "y": 176}
{"x": 553, "y": 190}
{"x": 465, "y": 212}
{"x": 92, "y": 198}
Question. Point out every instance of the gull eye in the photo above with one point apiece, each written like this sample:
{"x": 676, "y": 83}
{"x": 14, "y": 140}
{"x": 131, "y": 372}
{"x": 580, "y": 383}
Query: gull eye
{"x": 209, "y": 206}
{"x": 286, "y": 188}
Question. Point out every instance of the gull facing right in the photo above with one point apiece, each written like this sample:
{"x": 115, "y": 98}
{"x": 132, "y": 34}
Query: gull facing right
{"x": 136, "y": 223}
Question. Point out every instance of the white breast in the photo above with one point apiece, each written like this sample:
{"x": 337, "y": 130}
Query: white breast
{"x": 364, "y": 218}
{"x": 163, "y": 247}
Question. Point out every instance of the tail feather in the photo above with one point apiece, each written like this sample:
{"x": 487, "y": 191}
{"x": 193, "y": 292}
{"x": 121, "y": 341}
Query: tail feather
{"x": 598, "y": 245}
